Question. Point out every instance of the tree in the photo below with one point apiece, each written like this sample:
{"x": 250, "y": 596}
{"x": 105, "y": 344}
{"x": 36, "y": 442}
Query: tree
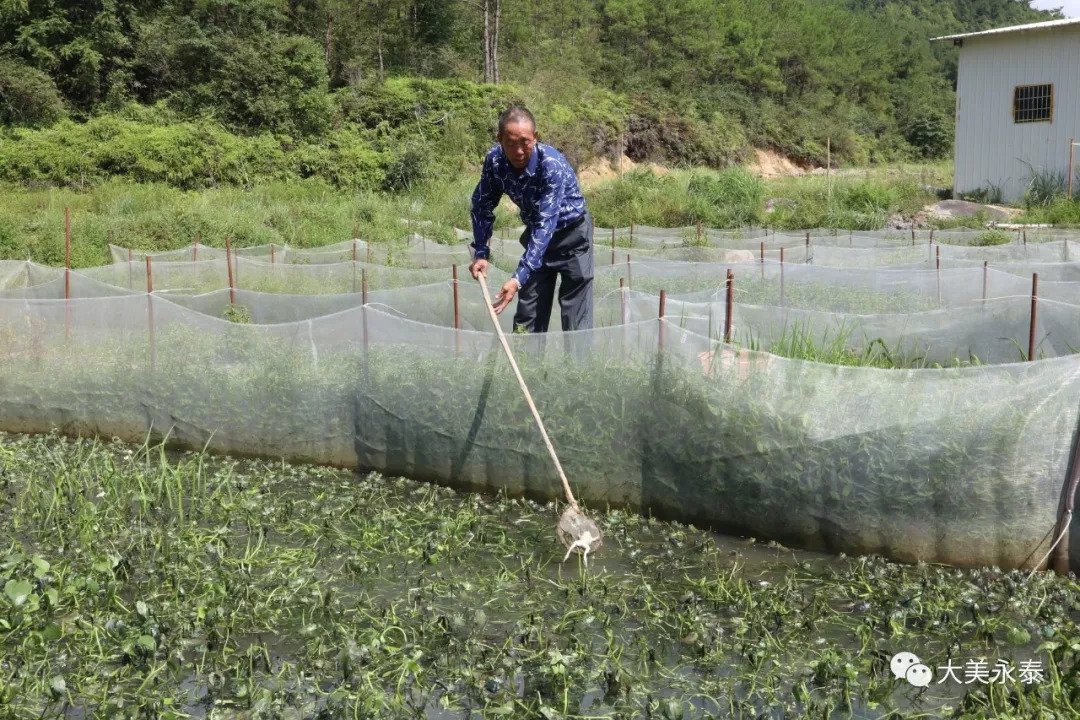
{"x": 492, "y": 13}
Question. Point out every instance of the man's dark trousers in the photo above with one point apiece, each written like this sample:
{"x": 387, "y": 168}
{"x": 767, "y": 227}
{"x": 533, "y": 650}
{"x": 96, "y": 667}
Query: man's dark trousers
{"x": 569, "y": 255}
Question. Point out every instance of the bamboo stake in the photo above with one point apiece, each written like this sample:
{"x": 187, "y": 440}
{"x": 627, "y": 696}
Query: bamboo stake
{"x": 663, "y": 307}
{"x": 728, "y": 306}
{"x": 781, "y": 277}
{"x": 938, "y": 275}
{"x": 150, "y": 310}
{"x": 622, "y": 300}
{"x": 457, "y": 316}
{"x": 1061, "y": 560}
{"x": 228, "y": 264}
{"x": 1034, "y": 310}
{"x": 363, "y": 308}
{"x": 67, "y": 254}
{"x": 1072, "y": 145}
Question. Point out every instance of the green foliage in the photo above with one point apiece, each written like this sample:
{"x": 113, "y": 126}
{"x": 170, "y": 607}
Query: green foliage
{"x": 237, "y": 314}
{"x": 279, "y": 87}
{"x": 684, "y": 82}
{"x": 182, "y": 154}
{"x": 28, "y": 96}
{"x": 1060, "y": 211}
{"x": 853, "y": 204}
{"x": 930, "y": 132}
{"x": 992, "y": 237}
{"x": 728, "y": 198}
{"x": 1044, "y": 186}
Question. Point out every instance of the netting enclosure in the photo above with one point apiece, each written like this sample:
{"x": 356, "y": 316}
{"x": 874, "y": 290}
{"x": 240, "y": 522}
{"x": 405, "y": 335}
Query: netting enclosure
{"x": 358, "y": 363}
{"x": 962, "y": 466}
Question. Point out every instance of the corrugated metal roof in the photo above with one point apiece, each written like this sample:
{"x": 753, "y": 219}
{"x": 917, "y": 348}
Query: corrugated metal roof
{"x": 1015, "y": 28}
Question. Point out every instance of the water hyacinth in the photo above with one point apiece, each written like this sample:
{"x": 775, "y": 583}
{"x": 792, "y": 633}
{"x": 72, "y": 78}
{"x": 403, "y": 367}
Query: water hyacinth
{"x": 139, "y": 581}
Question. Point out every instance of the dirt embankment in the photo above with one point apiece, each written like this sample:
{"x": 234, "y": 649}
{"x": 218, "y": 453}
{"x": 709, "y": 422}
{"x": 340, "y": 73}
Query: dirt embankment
{"x": 603, "y": 169}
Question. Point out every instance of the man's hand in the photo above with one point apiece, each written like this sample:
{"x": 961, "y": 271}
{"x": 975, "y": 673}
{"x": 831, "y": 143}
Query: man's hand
{"x": 509, "y": 290}
{"x": 478, "y": 268}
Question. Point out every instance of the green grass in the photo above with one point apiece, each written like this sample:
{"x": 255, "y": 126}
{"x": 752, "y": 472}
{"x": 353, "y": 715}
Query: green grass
{"x": 311, "y": 213}
{"x": 140, "y": 583}
{"x": 157, "y": 217}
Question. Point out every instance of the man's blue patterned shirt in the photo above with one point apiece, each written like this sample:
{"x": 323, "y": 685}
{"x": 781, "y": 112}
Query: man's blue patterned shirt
{"x": 546, "y": 191}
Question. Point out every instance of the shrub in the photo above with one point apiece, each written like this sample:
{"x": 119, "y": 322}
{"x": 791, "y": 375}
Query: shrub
{"x": 183, "y": 154}
{"x": 28, "y": 97}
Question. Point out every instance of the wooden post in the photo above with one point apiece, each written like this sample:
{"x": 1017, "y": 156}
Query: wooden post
{"x": 781, "y": 277}
{"x": 457, "y": 316}
{"x": 622, "y": 300}
{"x": 828, "y": 164}
{"x": 271, "y": 253}
{"x": 612, "y": 246}
{"x": 1025, "y": 238}
{"x": 150, "y": 309}
{"x": 195, "y": 250}
{"x": 728, "y": 306}
{"x": 629, "y": 277}
{"x": 1072, "y": 144}
{"x": 363, "y": 308}
{"x": 699, "y": 232}
{"x": 367, "y": 243}
{"x": 228, "y": 264}
{"x": 986, "y": 269}
{"x": 663, "y": 307}
{"x": 807, "y": 246}
{"x": 67, "y": 254}
{"x": 938, "y": 272}
{"x": 762, "y": 259}
{"x": 631, "y": 234}
{"x": 1034, "y": 310}
{"x": 354, "y": 250}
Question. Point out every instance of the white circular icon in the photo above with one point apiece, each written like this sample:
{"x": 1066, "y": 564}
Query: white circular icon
{"x": 900, "y": 664}
{"x": 919, "y": 675}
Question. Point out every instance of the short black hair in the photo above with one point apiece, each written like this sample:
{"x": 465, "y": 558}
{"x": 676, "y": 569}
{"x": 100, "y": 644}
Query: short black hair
{"x": 515, "y": 114}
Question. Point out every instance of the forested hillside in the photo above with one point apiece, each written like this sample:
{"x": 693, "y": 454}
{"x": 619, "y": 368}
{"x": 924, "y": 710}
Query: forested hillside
{"x": 386, "y": 93}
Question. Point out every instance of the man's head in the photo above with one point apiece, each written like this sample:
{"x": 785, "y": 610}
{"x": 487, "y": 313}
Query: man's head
{"x": 517, "y": 135}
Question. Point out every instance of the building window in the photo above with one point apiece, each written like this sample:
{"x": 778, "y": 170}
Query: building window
{"x": 1033, "y": 103}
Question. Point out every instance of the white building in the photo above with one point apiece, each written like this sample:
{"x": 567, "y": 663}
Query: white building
{"x": 1017, "y": 105}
